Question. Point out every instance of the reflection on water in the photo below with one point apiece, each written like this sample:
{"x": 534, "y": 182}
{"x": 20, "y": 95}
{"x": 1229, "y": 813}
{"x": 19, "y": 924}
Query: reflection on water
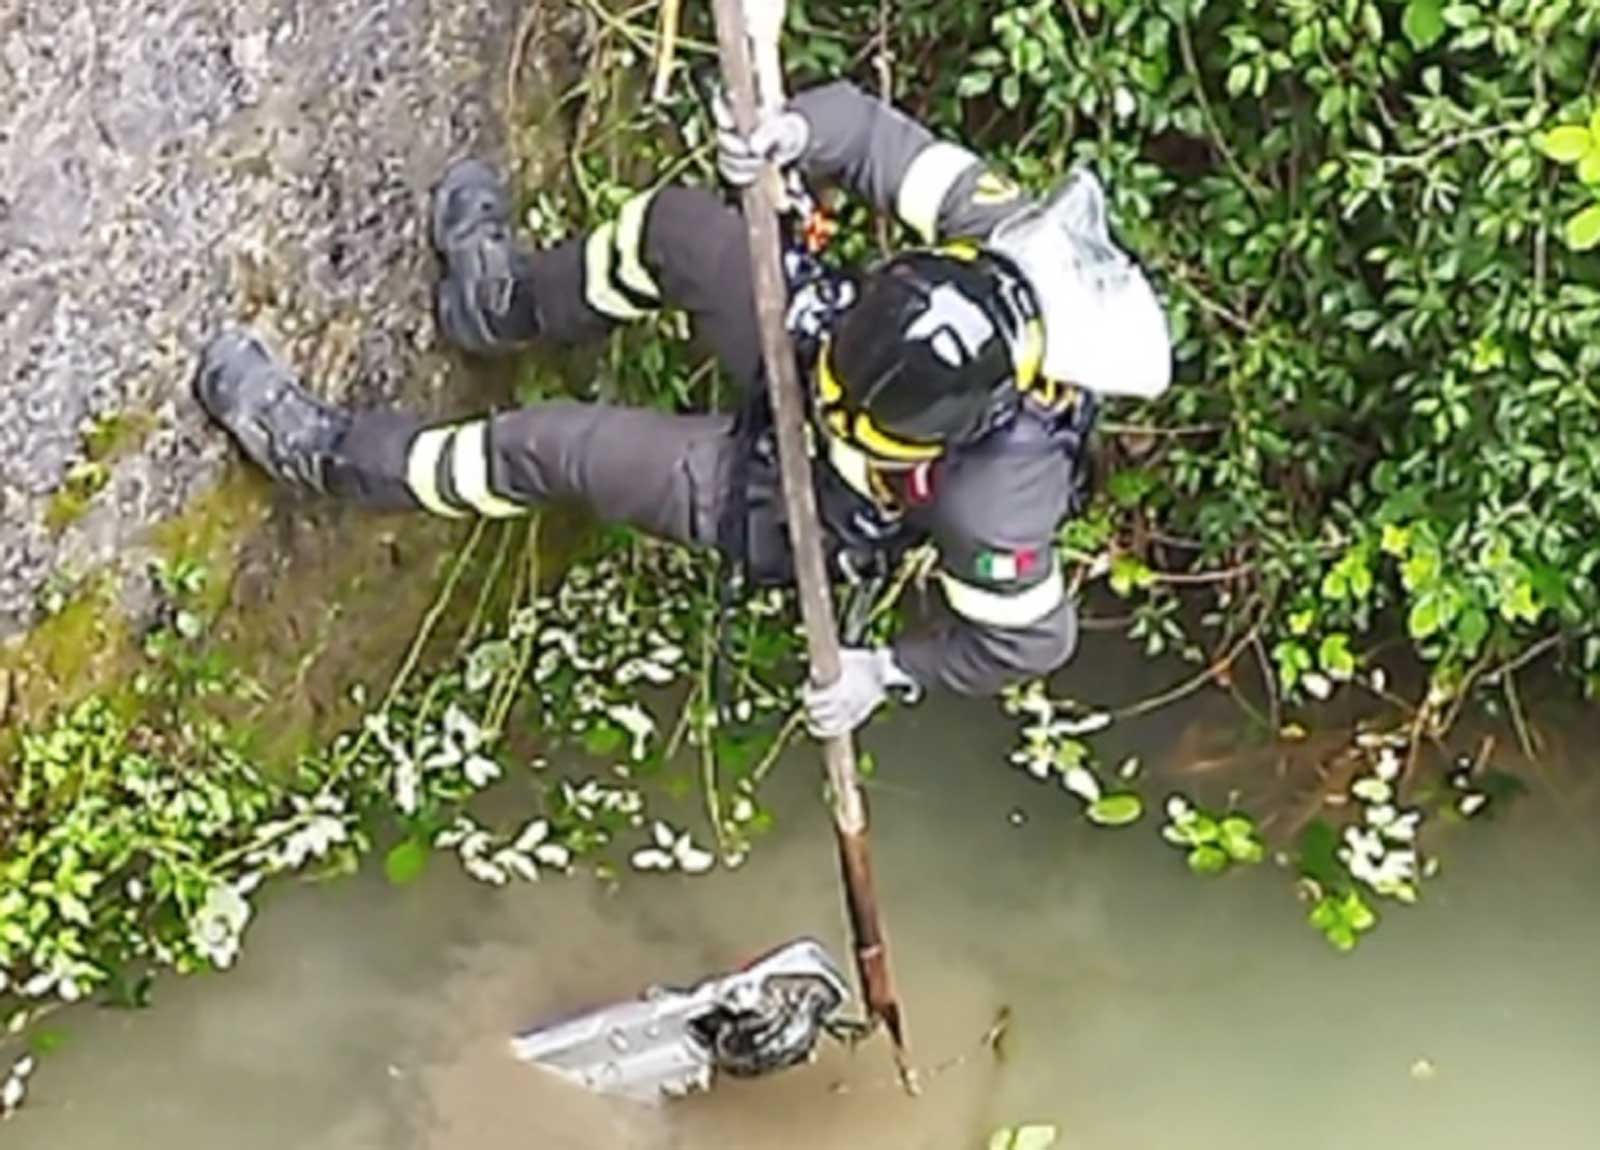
{"x": 1152, "y": 1009}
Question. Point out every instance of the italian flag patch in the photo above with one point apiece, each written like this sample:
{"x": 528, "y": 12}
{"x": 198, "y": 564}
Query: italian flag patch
{"x": 1006, "y": 566}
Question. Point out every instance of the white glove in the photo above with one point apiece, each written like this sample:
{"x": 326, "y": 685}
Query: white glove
{"x": 867, "y": 675}
{"x": 781, "y": 138}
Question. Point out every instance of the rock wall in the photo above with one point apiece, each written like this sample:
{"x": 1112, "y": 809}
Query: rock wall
{"x": 167, "y": 166}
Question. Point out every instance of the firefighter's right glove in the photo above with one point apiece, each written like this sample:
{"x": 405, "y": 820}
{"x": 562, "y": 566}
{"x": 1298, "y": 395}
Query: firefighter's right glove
{"x": 866, "y": 676}
{"x": 780, "y": 138}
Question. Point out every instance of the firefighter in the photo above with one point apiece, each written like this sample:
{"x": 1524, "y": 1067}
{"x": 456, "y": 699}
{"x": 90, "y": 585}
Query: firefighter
{"x": 952, "y": 386}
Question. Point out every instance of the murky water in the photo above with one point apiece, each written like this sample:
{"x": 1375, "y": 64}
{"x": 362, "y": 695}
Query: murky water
{"x": 1152, "y": 1009}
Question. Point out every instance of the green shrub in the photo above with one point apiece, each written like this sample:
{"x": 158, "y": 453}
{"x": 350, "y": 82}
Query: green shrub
{"x": 1360, "y": 214}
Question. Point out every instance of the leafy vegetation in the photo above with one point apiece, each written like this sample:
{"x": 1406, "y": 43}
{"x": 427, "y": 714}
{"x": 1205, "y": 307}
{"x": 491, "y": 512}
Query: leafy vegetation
{"x": 1369, "y": 221}
{"x": 1373, "y": 222}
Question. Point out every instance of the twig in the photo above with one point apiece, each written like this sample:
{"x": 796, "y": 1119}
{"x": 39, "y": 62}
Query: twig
{"x": 490, "y": 582}
{"x": 1510, "y": 666}
{"x": 681, "y": 727}
{"x": 1200, "y": 578}
{"x": 786, "y": 734}
{"x": 419, "y": 641}
{"x": 1181, "y": 275}
{"x": 641, "y": 39}
{"x": 1270, "y": 681}
{"x": 709, "y": 787}
{"x": 666, "y": 49}
{"x": 1449, "y": 144}
{"x": 505, "y": 698}
{"x": 1519, "y": 720}
{"x": 519, "y": 52}
{"x": 1104, "y": 622}
{"x": 1527, "y": 656}
{"x": 881, "y": 64}
{"x": 1192, "y": 684}
{"x": 1111, "y": 427}
{"x": 1186, "y": 47}
{"x": 993, "y": 1040}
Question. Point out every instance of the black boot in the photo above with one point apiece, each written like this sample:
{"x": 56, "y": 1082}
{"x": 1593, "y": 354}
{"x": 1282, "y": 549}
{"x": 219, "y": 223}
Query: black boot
{"x": 480, "y": 308}
{"x": 282, "y": 427}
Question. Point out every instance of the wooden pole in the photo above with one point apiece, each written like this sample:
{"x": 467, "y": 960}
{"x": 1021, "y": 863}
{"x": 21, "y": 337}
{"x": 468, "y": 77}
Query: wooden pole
{"x": 805, "y": 536}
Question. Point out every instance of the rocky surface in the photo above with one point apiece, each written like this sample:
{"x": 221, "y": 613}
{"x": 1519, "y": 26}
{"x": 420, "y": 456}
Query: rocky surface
{"x": 167, "y": 166}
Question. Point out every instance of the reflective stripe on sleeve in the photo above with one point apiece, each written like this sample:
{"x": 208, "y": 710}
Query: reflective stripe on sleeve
{"x": 630, "y": 247}
{"x": 469, "y": 474}
{"x": 422, "y": 471}
{"x": 927, "y": 181}
{"x": 599, "y": 256}
{"x": 1004, "y": 609}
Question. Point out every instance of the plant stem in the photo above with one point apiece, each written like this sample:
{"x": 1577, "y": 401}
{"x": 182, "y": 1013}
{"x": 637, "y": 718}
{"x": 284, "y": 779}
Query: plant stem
{"x": 1186, "y": 48}
{"x": 1192, "y": 684}
{"x": 490, "y": 581}
{"x": 430, "y": 622}
{"x": 786, "y": 734}
{"x": 666, "y": 49}
{"x": 505, "y": 698}
{"x": 1519, "y": 720}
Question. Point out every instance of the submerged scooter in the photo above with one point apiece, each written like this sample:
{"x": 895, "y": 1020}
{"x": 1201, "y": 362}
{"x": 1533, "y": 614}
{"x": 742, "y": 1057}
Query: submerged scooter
{"x": 668, "y": 1043}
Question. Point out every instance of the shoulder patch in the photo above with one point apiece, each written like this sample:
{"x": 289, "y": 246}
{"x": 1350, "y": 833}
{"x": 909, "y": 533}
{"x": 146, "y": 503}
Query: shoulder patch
{"x": 1007, "y": 566}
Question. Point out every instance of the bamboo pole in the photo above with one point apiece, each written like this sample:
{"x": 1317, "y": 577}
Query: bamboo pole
{"x": 816, "y": 604}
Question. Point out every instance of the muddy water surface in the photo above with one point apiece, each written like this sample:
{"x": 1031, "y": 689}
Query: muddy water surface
{"x": 1152, "y": 1009}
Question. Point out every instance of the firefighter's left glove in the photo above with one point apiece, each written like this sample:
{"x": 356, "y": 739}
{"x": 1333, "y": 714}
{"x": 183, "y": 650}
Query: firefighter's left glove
{"x": 866, "y": 676}
{"x": 780, "y": 138}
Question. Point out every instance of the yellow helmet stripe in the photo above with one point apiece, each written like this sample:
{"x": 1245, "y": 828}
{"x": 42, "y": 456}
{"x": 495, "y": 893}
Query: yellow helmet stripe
{"x": 875, "y": 441}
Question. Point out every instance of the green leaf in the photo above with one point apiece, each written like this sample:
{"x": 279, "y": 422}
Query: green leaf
{"x": 1071, "y": 753}
{"x": 974, "y": 84}
{"x": 1239, "y": 840}
{"x": 1341, "y": 936}
{"x": 1245, "y": 849}
{"x": 1423, "y": 620}
{"x": 1208, "y": 860}
{"x": 1357, "y": 913}
{"x": 1010, "y": 91}
{"x": 1130, "y": 485}
{"x": 1333, "y": 653}
{"x": 1583, "y": 229}
{"x": 1202, "y": 829}
{"x": 1589, "y": 166}
{"x": 1423, "y": 23}
{"x": 406, "y": 861}
{"x": 602, "y": 739}
{"x": 1472, "y": 628}
{"x": 1129, "y": 573}
{"x": 1567, "y": 144}
{"x": 1115, "y": 810}
{"x": 1319, "y": 859}
{"x": 1519, "y": 604}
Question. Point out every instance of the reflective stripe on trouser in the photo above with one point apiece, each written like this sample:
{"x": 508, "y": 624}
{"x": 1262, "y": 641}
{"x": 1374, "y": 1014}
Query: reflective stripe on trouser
{"x": 1018, "y": 608}
{"x": 616, "y": 282}
{"x": 659, "y": 472}
{"x": 447, "y": 471}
